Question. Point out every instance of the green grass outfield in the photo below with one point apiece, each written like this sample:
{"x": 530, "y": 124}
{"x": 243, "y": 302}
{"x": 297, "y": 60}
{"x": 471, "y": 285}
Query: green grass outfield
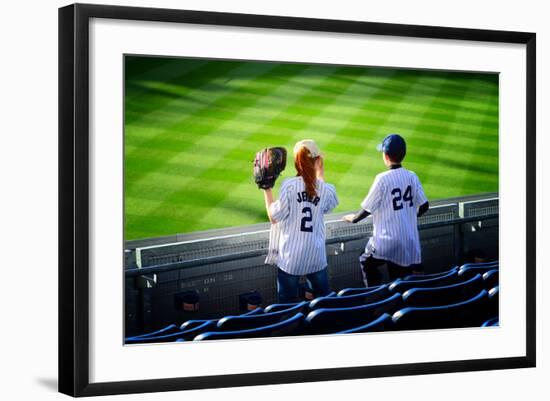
{"x": 192, "y": 128}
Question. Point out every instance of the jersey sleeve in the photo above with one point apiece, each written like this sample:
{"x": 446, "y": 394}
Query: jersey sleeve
{"x": 371, "y": 203}
{"x": 331, "y": 199}
{"x": 419, "y": 195}
{"x": 280, "y": 209}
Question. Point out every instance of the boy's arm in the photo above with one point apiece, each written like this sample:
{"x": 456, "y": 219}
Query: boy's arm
{"x": 370, "y": 203}
{"x": 420, "y": 198}
{"x": 354, "y": 218}
{"x": 423, "y": 209}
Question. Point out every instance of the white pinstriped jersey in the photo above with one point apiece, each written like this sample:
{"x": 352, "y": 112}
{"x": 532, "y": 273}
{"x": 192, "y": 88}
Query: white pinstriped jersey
{"x": 393, "y": 200}
{"x": 301, "y": 237}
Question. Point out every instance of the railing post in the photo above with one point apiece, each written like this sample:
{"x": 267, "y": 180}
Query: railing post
{"x": 459, "y": 243}
{"x": 459, "y": 236}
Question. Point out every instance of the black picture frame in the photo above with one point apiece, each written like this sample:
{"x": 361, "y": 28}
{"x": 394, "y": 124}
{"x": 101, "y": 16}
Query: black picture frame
{"x": 74, "y": 194}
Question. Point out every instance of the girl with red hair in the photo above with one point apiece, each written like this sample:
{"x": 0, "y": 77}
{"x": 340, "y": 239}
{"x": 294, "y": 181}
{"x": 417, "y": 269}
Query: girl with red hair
{"x": 298, "y": 247}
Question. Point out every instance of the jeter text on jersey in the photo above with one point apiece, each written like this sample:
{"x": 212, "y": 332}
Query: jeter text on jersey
{"x": 303, "y": 197}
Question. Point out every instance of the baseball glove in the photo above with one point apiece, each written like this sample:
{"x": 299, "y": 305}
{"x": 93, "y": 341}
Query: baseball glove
{"x": 268, "y": 165}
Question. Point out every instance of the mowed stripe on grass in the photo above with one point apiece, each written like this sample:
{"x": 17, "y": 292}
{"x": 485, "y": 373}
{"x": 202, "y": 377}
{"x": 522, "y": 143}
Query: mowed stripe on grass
{"x": 193, "y": 126}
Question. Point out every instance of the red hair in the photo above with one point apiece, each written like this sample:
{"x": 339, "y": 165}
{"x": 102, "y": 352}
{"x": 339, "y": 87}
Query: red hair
{"x": 305, "y": 166}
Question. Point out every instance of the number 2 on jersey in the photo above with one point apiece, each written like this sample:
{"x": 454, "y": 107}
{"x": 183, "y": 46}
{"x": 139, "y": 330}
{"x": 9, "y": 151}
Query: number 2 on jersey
{"x": 398, "y": 199}
{"x": 308, "y": 218}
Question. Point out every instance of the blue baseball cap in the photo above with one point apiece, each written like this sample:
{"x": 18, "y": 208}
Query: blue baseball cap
{"x": 394, "y": 146}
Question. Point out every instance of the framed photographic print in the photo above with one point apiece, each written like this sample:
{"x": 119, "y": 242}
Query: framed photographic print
{"x": 252, "y": 199}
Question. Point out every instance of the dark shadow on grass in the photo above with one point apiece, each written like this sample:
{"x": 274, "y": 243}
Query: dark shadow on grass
{"x": 475, "y": 167}
{"x": 142, "y": 90}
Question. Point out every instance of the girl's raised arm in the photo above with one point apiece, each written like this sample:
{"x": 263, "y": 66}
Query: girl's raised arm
{"x": 268, "y": 196}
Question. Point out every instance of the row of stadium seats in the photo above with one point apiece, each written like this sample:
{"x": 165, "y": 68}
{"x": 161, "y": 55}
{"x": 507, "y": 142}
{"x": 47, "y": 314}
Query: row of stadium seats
{"x": 465, "y": 296}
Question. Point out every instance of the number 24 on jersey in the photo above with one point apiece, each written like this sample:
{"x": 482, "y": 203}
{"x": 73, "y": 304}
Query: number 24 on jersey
{"x": 399, "y": 198}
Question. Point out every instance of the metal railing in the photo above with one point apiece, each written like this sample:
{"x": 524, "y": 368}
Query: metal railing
{"x": 154, "y": 269}
{"x": 218, "y": 246}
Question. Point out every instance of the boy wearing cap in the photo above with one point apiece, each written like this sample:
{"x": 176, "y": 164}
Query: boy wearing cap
{"x": 395, "y": 201}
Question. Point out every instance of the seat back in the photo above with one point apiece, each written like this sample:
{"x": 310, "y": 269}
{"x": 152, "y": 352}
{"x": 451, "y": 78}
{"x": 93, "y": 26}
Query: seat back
{"x": 481, "y": 264}
{"x": 243, "y": 322}
{"x": 280, "y": 307}
{"x": 189, "y": 334}
{"x": 344, "y": 301}
{"x": 401, "y": 285}
{"x": 285, "y": 327}
{"x": 253, "y": 312}
{"x": 444, "y": 295}
{"x": 470, "y": 313}
{"x": 358, "y": 290}
{"x": 166, "y": 330}
{"x": 429, "y": 276}
{"x": 333, "y": 320}
{"x": 471, "y": 269}
{"x": 490, "y": 279}
{"x": 189, "y": 324}
{"x": 383, "y": 323}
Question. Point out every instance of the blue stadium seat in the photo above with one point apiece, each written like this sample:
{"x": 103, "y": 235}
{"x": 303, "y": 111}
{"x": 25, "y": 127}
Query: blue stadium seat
{"x": 470, "y": 313}
{"x": 332, "y": 320}
{"x": 429, "y": 276}
{"x": 253, "y": 312}
{"x": 345, "y": 301}
{"x": 190, "y": 324}
{"x": 383, "y": 323}
{"x": 444, "y": 295}
{"x": 471, "y": 269}
{"x": 490, "y": 279}
{"x": 166, "y": 330}
{"x": 493, "y": 322}
{"x": 401, "y": 285}
{"x": 232, "y": 323}
{"x": 286, "y": 327}
{"x": 185, "y": 334}
{"x": 360, "y": 290}
{"x": 481, "y": 264}
{"x": 279, "y": 307}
